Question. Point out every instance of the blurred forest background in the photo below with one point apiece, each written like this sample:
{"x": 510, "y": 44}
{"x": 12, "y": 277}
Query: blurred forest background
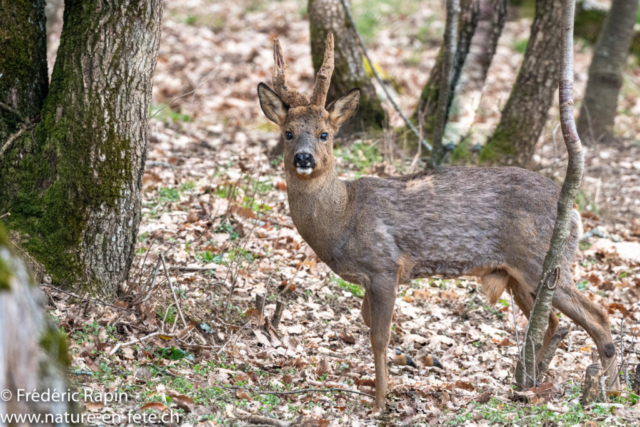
{"x": 176, "y": 319}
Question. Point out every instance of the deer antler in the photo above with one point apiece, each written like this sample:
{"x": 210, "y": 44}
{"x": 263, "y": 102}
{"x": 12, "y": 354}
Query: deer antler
{"x": 291, "y": 97}
{"x": 323, "y": 79}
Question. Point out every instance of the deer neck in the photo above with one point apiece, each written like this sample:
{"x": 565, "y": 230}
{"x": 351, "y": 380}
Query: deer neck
{"x": 319, "y": 210}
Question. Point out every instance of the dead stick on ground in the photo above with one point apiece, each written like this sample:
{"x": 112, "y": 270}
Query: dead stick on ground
{"x": 175, "y": 297}
{"x": 591, "y": 384}
{"x": 408, "y": 122}
{"x": 277, "y": 314}
{"x": 260, "y": 305}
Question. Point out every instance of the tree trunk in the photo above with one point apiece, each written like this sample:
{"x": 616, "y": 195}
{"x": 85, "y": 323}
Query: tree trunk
{"x": 600, "y": 102}
{"x": 426, "y": 108}
{"x": 539, "y": 316}
{"x": 73, "y": 184}
{"x": 349, "y": 72}
{"x": 23, "y": 65}
{"x": 468, "y": 92}
{"x": 33, "y": 353}
{"x": 448, "y": 57}
{"x": 525, "y": 114}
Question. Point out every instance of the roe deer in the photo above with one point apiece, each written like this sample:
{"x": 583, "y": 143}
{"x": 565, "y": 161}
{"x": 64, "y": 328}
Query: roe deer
{"x": 493, "y": 223}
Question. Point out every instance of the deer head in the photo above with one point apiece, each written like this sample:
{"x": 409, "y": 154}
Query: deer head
{"x": 308, "y": 128}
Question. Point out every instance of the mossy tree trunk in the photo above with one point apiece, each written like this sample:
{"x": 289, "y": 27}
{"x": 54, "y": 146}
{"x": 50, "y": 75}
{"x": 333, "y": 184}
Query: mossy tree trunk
{"x": 425, "y": 113}
{"x": 598, "y": 111}
{"x": 468, "y": 92}
{"x": 33, "y": 353}
{"x": 72, "y": 184}
{"x": 349, "y": 71}
{"x": 525, "y": 114}
{"x": 23, "y": 65}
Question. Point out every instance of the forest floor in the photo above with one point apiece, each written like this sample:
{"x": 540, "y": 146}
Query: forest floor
{"x": 215, "y": 208}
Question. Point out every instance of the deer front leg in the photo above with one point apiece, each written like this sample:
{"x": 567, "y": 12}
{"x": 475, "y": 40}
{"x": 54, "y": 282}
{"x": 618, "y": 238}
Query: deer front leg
{"x": 365, "y": 311}
{"x": 381, "y": 298}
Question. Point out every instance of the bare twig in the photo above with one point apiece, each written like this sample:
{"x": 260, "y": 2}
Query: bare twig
{"x": 93, "y": 301}
{"x": 13, "y": 137}
{"x": 136, "y": 341}
{"x": 557, "y": 338}
{"x": 12, "y": 110}
{"x": 515, "y": 325}
{"x": 175, "y": 297}
{"x": 153, "y": 283}
{"x": 408, "y": 122}
{"x": 3, "y": 215}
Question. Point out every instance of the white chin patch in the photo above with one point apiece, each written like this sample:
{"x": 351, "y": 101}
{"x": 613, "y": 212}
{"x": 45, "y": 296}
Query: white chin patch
{"x": 304, "y": 171}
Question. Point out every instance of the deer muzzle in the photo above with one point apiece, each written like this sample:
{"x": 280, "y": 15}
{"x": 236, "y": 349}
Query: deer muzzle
{"x": 304, "y": 163}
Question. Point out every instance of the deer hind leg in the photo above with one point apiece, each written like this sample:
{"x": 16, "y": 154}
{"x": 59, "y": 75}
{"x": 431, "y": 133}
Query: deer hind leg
{"x": 381, "y": 297}
{"x": 524, "y": 299}
{"x": 577, "y": 306}
{"x": 365, "y": 310}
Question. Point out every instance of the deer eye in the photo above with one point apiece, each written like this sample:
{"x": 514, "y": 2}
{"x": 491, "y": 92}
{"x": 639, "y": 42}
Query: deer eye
{"x": 323, "y": 136}
{"x": 289, "y": 135}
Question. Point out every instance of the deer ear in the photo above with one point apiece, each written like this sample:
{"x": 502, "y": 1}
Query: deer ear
{"x": 344, "y": 108}
{"x": 272, "y": 105}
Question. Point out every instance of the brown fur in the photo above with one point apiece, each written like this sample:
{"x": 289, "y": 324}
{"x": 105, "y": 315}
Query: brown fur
{"x": 495, "y": 223}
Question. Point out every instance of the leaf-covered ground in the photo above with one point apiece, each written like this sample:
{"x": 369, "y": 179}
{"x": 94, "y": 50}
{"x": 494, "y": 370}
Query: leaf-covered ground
{"x": 215, "y": 209}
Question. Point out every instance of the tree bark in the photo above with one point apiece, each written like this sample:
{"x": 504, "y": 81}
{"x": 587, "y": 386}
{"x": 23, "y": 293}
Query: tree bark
{"x": 23, "y": 64}
{"x": 525, "y": 114}
{"x": 539, "y": 317}
{"x": 33, "y": 352}
{"x": 73, "y": 185}
{"x": 425, "y": 112}
{"x": 600, "y": 102}
{"x": 349, "y": 71}
{"x": 448, "y": 57}
{"x": 468, "y": 92}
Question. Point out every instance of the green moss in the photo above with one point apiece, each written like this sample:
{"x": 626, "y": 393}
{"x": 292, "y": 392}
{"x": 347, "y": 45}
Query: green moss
{"x": 23, "y": 63}
{"x": 498, "y": 149}
{"x": 54, "y": 341}
{"x": 55, "y": 176}
{"x": 588, "y": 23}
{"x": 462, "y": 153}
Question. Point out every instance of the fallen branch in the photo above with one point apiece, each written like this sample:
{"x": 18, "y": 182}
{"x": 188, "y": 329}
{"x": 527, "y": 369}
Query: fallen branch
{"x": 313, "y": 390}
{"x": 189, "y": 268}
{"x": 408, "y": 122}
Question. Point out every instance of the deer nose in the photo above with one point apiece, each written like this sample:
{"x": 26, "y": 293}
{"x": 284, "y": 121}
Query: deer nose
{"x": 304, "y": 161}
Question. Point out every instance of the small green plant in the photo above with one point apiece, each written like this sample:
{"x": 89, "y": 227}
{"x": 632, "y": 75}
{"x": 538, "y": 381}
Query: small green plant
{"x": 168, "y": 314}
{"x": 356, "y": 290}
{"x": 359, "y": 156}
{"x": 164, "y": 113}
{"x": 168, "y": 195}
{"x": 520, "y": 46}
